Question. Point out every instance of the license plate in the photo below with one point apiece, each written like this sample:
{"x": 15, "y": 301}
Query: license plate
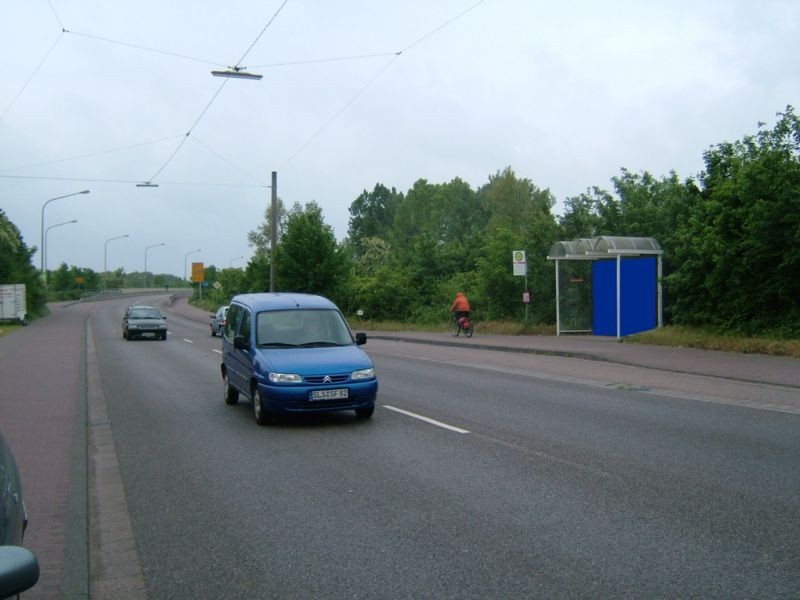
{"x": 329, "y": 394}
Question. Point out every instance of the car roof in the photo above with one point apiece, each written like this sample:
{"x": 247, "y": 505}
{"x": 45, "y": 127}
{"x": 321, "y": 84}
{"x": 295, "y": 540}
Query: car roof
{"x": 282, "y": 301}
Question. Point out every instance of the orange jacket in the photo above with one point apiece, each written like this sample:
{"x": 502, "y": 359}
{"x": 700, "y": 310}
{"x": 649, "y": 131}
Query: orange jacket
{"x": 460, "y": 304}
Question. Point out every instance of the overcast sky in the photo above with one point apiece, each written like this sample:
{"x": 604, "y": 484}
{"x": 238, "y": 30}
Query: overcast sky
{"x": 564, "y": 93}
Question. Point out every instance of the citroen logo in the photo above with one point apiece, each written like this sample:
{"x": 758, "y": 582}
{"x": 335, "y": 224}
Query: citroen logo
{"x": 327, "y": 379}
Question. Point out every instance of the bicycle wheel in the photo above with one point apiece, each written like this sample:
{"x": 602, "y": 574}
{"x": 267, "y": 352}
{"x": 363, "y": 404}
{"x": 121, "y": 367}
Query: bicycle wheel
{"x": 455, "y": 328}
{"x": 468, "y": 331}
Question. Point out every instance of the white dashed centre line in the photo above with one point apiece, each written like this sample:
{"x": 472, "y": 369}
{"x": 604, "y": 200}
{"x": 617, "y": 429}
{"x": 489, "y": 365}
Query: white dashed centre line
{"x": 188, "y": 341}
{"x": 217, "y": 351}
{"x": 426, "y": 419}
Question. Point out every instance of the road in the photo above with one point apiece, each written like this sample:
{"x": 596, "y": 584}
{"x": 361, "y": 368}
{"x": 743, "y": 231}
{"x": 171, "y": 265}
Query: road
{"x": 469, "y": 482}
{"x": 481, "y": 475}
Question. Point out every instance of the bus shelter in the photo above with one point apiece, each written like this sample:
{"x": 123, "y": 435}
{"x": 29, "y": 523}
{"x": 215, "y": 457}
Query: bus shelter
{"x": 608, "y": 285}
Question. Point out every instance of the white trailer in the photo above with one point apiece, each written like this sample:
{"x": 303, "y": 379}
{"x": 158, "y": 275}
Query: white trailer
{"x": 13, "y": 306}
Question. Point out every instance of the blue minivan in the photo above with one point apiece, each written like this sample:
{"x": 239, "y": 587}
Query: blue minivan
{"x": 294, "y": 353}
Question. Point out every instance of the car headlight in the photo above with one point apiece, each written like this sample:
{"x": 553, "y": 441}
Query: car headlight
{"x": 285, "y": 378}
{"x": 133, "y": 327}
{"x": 363, "y": 374}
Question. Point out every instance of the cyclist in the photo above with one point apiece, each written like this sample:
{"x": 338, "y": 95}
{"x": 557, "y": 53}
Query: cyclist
{"x": 460, "y": 306}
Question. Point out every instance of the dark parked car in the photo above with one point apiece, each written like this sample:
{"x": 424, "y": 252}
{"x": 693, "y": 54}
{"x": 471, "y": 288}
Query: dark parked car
{"x": 19, "y": 569}
{"x": 142, "y": 320}
{"x": 218, "y": 320}
{"x": 295, "y": 353}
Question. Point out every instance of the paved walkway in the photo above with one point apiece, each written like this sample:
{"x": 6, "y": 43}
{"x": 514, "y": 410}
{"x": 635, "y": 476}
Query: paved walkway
{"x": 43, "y": 418}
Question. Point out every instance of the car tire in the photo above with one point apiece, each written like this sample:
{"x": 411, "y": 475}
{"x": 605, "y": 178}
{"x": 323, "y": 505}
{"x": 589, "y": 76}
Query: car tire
{"x": 261, "y": 415}
{"x": 366, "y": 412}
{"x": 213, "y": 333}
{"x": 129, "y": 336}
{"x": 164, "y": 336}
{"x": 230, "y": 395}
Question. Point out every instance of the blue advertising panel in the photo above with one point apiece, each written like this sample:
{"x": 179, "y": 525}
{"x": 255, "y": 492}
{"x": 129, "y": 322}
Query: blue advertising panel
{"x": 638, "y": 287}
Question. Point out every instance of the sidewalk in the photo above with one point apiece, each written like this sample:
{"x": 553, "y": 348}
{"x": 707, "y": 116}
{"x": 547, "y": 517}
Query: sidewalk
{"x": 751, "y": 368}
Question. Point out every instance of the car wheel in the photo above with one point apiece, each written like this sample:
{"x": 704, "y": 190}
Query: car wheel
{"x": 261, "y": 415}
{"x": 128, "y": 336}
{"x": 366, "y": 412}
{"x": 213, "y": 333}
{"x": 164, "y": 336}
{"x": 231, "y": 395}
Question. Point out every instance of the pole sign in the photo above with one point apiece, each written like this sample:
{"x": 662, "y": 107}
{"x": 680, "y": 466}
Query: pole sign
{"x": 520, "y": 263}
{"x": 198, "y": 272}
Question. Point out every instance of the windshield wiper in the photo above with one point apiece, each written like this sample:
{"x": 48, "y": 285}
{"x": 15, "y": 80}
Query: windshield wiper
{"x": 277, "y": 345}
{"x": 319, "y": 344}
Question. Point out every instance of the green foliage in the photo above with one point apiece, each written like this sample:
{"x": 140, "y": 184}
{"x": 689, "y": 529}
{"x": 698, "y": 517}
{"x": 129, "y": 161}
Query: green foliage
{"x": 16, "y": 266}
{"x": 740, "y": 260}
{"x": 308, "y": 258}
{"x": 256, "y": 274}
{"x": 372, "y": 216}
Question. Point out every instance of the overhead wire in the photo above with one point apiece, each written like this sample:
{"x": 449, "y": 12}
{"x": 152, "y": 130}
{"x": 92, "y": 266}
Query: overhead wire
{"x": 32, "y": 75}
{"x": 222, "y": 158}
{"x": 324, "y": 60}
{"x": 258, "y": 37}
{"x": 214, "y": 97}
{"x": 314, "y": 136}
{"x": 188, "y": 133}
{"x": 146, "y": 48}
{"x": 100, "y": 180}
{"x": 89, "y": 155}
{"x": 363, "y": 88}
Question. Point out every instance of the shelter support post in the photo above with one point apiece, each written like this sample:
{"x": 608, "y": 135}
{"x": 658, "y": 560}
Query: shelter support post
{"x": 558, "y": 303}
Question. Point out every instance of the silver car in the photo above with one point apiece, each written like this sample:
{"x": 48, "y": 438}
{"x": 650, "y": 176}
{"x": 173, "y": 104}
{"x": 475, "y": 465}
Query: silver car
{"x": 141, "y": 320}
{"x": 218, "y": 320}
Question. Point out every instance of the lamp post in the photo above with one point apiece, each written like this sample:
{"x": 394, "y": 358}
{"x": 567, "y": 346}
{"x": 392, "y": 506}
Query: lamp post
{"x": 230, "y": 263}
{"x": 145, "y": 259}
{"x": 184, "y": 261}
{"x": 42, "y": 223}
{"x": 105, "y": 255}
{"x": 44, "y": 246}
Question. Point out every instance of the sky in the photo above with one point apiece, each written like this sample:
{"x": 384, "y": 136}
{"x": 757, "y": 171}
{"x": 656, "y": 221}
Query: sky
{"x": 103, "y": 95}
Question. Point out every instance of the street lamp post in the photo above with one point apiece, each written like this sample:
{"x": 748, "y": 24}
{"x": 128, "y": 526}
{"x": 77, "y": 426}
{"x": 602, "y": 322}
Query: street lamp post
{"x": 145, "y": 259}
{"x": 230, "y": 263}
{"x": 42, "y": 223}
{"x": 44, "y": 246}
{"x": 184, "y": 261}
{"x": 105, "y": 255}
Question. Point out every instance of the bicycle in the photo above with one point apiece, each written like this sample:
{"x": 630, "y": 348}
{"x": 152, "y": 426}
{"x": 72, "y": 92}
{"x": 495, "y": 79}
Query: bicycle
{"x": 461, "y": 324}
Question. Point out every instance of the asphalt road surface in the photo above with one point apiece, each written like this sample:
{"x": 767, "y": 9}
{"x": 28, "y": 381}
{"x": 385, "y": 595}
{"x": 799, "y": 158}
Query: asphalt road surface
{"x": 476, "y": 481}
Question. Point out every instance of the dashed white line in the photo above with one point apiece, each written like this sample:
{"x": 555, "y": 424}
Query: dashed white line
{"x": 217, "y": 351}
{"x": 426, "y": 419}
{"x": 188, "y": 341}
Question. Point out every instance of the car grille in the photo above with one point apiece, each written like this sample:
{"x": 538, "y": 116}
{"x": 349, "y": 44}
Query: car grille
{"x": 326, "y": 379}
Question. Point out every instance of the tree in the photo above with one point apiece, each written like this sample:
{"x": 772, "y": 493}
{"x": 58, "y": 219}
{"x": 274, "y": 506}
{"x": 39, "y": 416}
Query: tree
{"x": 372, "y": 216}
{"x": 16, "y": 265}
{"x": 308, "y": 257}
{"x": 261, "y": 238}
{"x": 740, "y": 257}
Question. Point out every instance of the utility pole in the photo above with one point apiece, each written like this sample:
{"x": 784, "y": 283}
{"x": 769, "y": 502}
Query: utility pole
{"x": 274, "y": 231}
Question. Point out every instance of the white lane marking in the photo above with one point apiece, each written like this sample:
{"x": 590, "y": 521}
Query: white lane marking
{"x": 188, "y": 341}
{"x": 217, "y": 351}
{"x": 426, "y": 419}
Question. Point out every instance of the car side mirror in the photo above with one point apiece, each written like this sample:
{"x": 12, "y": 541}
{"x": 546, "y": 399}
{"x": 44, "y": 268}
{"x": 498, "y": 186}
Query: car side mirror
{"x": 240, "y": 342}
{"x": 361, "y": 338}
{"x": 19, "y": 570}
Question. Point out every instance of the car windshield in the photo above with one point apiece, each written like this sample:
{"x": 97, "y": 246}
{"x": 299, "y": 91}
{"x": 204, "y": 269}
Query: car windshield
{"x": 303, "y": 328}
{"x": 144, "y": 313}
